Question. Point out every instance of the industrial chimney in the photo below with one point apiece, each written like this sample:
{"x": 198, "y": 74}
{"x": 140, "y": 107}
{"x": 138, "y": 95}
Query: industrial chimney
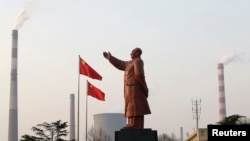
{"x": 222, "y": 100}
{"x": 72, "y": 118}
{"x": 181, "y": 132}
{"x": 13, "y": 110}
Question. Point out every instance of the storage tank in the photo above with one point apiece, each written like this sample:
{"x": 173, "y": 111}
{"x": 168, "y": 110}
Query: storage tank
{"x": 109, "y": 122}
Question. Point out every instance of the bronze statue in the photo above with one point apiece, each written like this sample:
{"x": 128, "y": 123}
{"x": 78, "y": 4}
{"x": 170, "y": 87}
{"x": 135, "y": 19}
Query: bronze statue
{"x": 135, "y": 88}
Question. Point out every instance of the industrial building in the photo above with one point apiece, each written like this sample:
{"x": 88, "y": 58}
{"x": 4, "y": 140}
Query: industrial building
{"x": 198, "y": 135}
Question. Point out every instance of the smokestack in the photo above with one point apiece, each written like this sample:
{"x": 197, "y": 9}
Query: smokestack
{"x": 222, "y": 100}
{"x": 72, "y": 118}
{"x": 181, "y": 132}
{"x": 13, "y": 111}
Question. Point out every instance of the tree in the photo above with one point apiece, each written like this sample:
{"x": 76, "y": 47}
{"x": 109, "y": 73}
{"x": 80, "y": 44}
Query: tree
{"x": 166, "y": 137}
{"x": 30, "y": 138}
{"x": 98, "y": 135}
{"x": 60, "y": 129}
{"x": 232, "y": 120}
{"x": 53, "y": 131}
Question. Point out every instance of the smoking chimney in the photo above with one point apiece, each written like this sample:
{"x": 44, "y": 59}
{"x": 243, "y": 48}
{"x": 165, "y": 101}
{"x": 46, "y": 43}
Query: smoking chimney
{"x": 72, "y": 117}
{"x": 222, "y": 100}
{"x": 13, "y": 111}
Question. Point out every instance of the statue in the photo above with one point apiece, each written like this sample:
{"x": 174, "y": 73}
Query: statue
{"x": 135, "y": 88}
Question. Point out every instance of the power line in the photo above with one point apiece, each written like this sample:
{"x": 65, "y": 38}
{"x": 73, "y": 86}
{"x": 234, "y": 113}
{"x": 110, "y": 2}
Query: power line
{"x": 196, "y": 109}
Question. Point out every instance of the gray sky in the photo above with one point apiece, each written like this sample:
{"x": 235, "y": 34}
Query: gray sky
{"x": 182, "y": 43}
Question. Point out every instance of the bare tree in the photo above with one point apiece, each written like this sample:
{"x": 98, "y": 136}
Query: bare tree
{"x": 166, "y": 137}
{"x": 98, "y": 135}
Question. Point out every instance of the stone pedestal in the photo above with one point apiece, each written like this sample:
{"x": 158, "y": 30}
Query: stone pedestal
{"x": 136, "y": 135}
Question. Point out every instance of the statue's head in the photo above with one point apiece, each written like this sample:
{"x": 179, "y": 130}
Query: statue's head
{"x": 136, "y": 52}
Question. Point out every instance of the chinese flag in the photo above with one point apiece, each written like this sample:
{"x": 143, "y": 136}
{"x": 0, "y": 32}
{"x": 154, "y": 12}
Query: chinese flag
{"x": 95, "y": 92}
{"x": 85, "y": 69}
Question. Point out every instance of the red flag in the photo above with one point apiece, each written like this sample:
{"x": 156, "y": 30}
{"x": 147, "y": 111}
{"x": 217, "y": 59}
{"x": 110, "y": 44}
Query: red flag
{"x": 85, "y": 69}
{"x": 95, "y": 92}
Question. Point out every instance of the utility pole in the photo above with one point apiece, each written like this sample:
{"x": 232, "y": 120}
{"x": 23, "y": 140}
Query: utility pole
{"x": 196, "y": 109}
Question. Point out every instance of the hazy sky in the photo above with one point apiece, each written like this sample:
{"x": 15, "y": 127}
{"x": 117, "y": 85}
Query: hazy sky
{"x": 182, "y": 43}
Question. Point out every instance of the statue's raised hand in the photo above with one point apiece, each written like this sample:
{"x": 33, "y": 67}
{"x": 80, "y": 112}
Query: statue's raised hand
{"x": 107, "y": 55}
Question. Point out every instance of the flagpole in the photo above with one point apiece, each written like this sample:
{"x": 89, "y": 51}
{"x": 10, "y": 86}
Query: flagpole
{"x": 88, "y": 71}
{"x": 86, "y": 130}
{"x": 78, "y": 123}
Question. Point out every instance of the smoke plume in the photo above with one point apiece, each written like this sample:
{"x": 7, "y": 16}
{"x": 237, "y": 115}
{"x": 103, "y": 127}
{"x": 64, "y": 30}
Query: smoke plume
{"x": 234, "y": 57}
{"x": 228, "y": 58}
{"x": 21, "y": 17}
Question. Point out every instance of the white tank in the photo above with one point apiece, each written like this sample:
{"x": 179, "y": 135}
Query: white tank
{"x": 109, "y": 122}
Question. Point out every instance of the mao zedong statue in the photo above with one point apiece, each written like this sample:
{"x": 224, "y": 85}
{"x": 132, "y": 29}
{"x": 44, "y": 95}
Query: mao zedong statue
{"x": 135, "y": 88}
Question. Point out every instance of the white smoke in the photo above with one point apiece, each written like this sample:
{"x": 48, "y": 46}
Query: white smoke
{"x": 234, "y": 57}
{"x": 228, "y": 58}
{"x": 23, "y": 14}
{"x": 21, "y": 17}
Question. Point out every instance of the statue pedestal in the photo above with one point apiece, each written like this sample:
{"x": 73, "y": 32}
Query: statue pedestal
{"x": 136, "y": 135}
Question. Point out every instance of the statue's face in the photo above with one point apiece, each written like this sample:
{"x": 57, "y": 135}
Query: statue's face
{"x": 134, "y": 53}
